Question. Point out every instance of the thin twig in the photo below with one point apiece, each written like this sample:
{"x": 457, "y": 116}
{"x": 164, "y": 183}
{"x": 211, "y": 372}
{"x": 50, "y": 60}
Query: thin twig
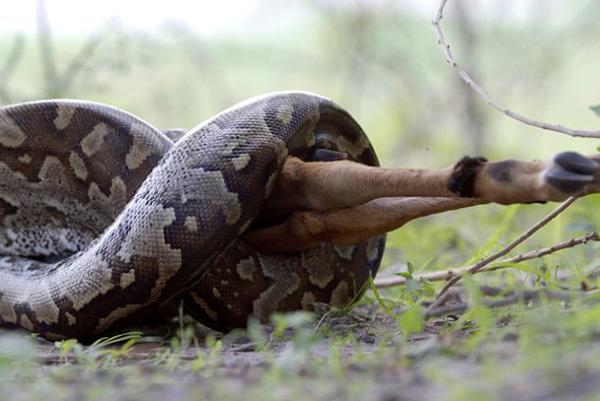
{"x": 445, "y": 275}
{"x": 511, "y": 299}
{"x": 441, "y": 40}
{"x": 538, "y": 253}
{"x": 484, "y": 262}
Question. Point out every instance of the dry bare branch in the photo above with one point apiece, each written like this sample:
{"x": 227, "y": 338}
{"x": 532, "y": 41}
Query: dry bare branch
{"x": 486, "y": 261}
{"x": 441, "y": 40}
{"x": 511, "y": 299}
{"x": 538, "y": 253}
{"x": 445, "y": 275}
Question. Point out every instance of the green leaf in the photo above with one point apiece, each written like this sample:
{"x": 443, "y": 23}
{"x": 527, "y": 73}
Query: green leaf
{"x": 293, "y": 320}
{"x": 413, "y": 286}
{"x": 378, "y": 296}
{"x": 428, "y": 289}
{"x": 410, "y": 267}
{"x": 596, "y": 109}
{"x": 502, "y": 228}
{"x": 522, "y": 266}
{"x": 119, "y": 338}
{"x": 485, "y": 323}
{"x": 412, "y": 321}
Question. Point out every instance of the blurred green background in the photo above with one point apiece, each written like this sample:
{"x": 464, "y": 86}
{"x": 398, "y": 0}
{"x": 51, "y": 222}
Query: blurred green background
{"x": 177, "y": 63}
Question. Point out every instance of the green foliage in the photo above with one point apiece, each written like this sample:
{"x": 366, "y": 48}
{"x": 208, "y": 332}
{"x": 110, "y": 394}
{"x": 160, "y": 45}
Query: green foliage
{"x": 104, "y": 348}
{"x": 415, "y": 289}
{"x": 294, "y": 320}
{"x": 412, "y": 320}
{"x": 70, "y": 347}
{"x": 209, "y": 358}
{"x": 401, "y": 93}
{"x": 378, "y": 297}
{"x": 257, "y": 333}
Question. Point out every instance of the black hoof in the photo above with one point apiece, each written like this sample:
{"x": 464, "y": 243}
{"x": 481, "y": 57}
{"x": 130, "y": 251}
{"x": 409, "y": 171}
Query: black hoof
{"x": 573, "y": 161}
{"x": 571, "y": 172}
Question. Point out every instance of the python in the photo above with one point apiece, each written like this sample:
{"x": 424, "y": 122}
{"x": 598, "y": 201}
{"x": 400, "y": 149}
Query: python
{"x": 272, "y": 205}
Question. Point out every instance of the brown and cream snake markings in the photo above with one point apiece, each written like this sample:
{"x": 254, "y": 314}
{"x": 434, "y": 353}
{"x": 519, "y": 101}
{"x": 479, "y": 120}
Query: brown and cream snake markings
{"x": 105, "y": 221}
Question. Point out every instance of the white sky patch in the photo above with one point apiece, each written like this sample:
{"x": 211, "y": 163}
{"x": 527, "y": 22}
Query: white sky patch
{"x": 209, "y": 17}
{"x": 72, "y": 16}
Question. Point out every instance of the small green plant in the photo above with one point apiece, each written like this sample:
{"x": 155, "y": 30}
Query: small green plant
{"x": 68, "y": 349}
{"x": 412, "y": 320}
{"x": 415, "y": 289}
{"x": 184, "y": 338}
{"x": 379, "y": 297}
{"x": 257, "y": 334}
{"x": 71, "y": 350}
{"x": 293, "y": 320}
{"x": 209, "y": 358}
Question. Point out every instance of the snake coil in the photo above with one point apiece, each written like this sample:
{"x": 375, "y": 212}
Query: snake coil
{"x": 105, "y": 221}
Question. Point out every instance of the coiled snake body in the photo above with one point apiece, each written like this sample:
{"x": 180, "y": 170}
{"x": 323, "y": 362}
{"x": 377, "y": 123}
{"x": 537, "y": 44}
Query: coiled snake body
{"x": 104, "y": 220}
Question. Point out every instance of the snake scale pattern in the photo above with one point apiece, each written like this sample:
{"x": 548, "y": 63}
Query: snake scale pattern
{"x": 105, "y": 221}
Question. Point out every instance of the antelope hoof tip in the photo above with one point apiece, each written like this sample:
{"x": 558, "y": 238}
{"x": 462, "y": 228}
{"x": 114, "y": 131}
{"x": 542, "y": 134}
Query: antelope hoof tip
{"x": 570, "y": 172}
